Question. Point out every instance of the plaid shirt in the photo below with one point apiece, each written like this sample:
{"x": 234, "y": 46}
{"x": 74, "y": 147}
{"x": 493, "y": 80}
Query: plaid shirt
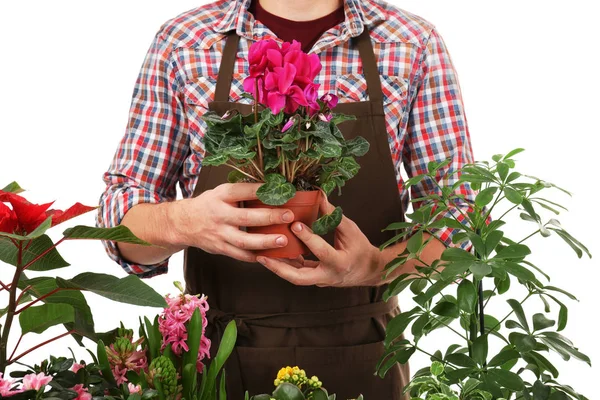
{"x": 163, "y": 141}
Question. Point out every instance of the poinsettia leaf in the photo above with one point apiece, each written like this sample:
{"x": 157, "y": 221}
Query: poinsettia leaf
{"x": 59, "y": 216}
{"x": 39, "y": 318}
{"x": 118, "y": 234}
{"x": 13, "y": 187}
{"x": 276, "y": 191}
{"x": 328, "y": 223}
{"x": 52, "y": 260}
{"x": 130, "y": 289}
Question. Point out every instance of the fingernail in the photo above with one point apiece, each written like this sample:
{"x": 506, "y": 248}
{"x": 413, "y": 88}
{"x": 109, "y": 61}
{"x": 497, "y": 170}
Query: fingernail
{"x": 261, "y": 260}
{"x": 280, "y": 241}
{"x": 297, "y": 228}
{"x": 288, "y": 217}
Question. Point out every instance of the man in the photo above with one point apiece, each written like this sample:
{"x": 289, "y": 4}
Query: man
{"x": 391, "y": 69}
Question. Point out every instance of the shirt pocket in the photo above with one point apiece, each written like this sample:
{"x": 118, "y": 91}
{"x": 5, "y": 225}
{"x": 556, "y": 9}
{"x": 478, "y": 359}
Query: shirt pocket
{"x": 353, "y": 87}
{"x": 197, "y": 93}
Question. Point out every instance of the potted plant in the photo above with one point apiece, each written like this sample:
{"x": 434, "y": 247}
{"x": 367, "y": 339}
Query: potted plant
{"x": 45, "y": 301}
{"x": 290, "y": 142}
{"x": 496, "y": 356}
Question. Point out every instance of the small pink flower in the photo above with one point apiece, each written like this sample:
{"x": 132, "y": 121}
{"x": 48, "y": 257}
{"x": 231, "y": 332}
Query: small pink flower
{"x": 6, "y": 386}
{"x": 288, "y": 124}
{"x": 325, "y": 117}
{"x": 76, "y": 367}
{"x": 134, "y": 388}
{"x": 82, "y": 393}
{"x": 120, "y": 374}
{"x": 310, "y": 92}
{"x": 330, "y": 100}
{"x": 35, "y": 382}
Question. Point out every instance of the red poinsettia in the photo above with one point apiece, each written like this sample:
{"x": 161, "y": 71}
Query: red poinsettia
{"x": 25, "y": 217}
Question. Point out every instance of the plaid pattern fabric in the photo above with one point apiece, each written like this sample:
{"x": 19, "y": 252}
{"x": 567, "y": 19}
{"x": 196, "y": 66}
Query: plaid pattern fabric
{"x": 163, "y": 146}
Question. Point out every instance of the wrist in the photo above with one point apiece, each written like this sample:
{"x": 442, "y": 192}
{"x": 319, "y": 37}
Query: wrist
{"x": 173, "y": 216}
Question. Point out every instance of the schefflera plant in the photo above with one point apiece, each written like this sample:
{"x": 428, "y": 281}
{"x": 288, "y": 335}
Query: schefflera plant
{"x": 453, "y": 293}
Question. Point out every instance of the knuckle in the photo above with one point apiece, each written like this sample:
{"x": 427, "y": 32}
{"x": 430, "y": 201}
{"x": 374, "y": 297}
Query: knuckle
{"x": 240, "y": 243}
{"x": 244, "y": 218}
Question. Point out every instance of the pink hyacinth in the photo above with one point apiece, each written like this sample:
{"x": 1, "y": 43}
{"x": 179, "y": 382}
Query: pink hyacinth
{"x": 35, "y": 382}
{"x": 172, "y": 320}
{"x": 82, "y": 393}
{"x": 6, "y": 386}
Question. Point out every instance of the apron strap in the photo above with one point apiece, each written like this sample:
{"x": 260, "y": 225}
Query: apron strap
{"x": 226, "y": 68}
{"x": 369, "y": 63}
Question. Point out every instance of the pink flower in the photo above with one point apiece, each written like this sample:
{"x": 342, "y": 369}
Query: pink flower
{"x": 330, "y": 100}
{"x": 171, "y": 324}
{"x": 6, "y": 386}
{"x": 288, "y": 124}
{"x": 82, "y": 393}
{"x": 35, "y": 382}
{"x": 307, "y": 66}
{"x": 281, "y": 92}
{"x": 258, "y": 56}
{"x": 76, "y": 367}
{"x": 310, "y": 92}
{"x": 120, "y": 374}
{"x": 134, "y": 388}
{"x": 325, "y": 117}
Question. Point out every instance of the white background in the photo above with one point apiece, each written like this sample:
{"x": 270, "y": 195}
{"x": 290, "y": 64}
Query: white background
{"x": 529, "y": 77}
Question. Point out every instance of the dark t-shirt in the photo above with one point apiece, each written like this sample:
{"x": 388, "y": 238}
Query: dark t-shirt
{"x": 305, "y": 32}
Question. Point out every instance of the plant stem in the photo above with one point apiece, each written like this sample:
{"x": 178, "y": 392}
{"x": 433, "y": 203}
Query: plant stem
{"x": 22, "y": 294}
{"x": 30, "y": 263}
{"x": 12, "y": 360}
{"x": 41, "y": 298}
{"x": 4, "y": 287}
{"x": 11, "y": 308}
{"x": 242, "y": 172}
{"x": 260, "y": 173}
{"x": 16, "y": 347}
{"x": 529, "y": 236}
{"x": 258, "y": 144}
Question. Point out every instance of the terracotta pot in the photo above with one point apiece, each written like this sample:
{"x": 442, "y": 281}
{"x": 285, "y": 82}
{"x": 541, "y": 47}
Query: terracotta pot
{"x": 305, "y": 206}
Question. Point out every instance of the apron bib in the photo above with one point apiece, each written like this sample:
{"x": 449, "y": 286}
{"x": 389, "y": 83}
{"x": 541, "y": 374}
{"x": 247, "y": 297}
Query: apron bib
{"x": 334, "y": 333}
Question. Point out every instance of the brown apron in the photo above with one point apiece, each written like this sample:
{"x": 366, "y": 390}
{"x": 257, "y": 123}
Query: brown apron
{"x": 334, "y": 333}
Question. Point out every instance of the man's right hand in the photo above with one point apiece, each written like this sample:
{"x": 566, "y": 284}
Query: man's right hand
{"x": 212, "y": 221}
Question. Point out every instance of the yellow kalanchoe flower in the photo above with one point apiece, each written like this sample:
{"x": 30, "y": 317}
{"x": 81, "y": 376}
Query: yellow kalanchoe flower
{"x": 293, "y": 375}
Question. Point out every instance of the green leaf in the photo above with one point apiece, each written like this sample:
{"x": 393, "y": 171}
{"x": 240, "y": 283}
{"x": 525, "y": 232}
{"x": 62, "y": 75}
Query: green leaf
{"x": 417, "y": 329}
{"x": 502, "y": 285}
{"x": 480, "y": 270}
{"x": 396, "y": 327}
{"x": 356, "y": 147}
{"x": 194, "y": 330}
{"x": 480, "y": 349}
{"x": 328, "y": 223}
{"x": 514, "y": 251}
{"x": 215, "y": 160}
{"x": 523, "y": 343}
{"x": 456, "y": 254}
{"x": 503, "y": 169}
{"x": 506, "y": 379}
{"x": 437, "y": 368}
{"x": 467, "y": 296}
{"x": 38, "y": 319}
{"x": 518, "y": 310}
{"x": 513, "y": 153}
{"x": 540, "y": 322}
{"x": 519, "y": 271}
{"x": 39, "y": 231}
{"x": 513, "y": 196}
{"x": 454, "y": 269}
{"x": 52, "y": 260}
{"x": 415, "y": 242}
{"x": 486, "y": 196}
{"x": 461, "y": 360}
{"x": 225, "y": 348}
{"x": 129, "y": 289}
{"x": 223, "y": 387}
{"x": 563, "y": 346}
{"x": 492, "y": 240}
{"x": 103, "y": 363}
{"x": 13, "y": 187}
{"x": 418, "y": 285}
{"x": 287, "y": 391}
{"x": 118, "y": 234}
{"x": 503, "y": 357}
{"x": 276, "y": 191}
{"x": 446, "y": 309}
{"x": 329, "y": 149}
{"x": 576, "y": 245}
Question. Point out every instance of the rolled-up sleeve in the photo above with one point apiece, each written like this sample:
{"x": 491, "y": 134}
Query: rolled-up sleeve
{"x": 437, "y": 131}
{"x": 147, "y": 162}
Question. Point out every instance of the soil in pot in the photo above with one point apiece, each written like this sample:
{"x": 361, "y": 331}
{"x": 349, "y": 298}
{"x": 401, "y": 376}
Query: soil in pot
{"x": 305, "y": 206}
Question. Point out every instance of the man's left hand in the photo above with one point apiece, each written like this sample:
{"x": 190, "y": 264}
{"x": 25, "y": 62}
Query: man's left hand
{"x": 352, "y": 261}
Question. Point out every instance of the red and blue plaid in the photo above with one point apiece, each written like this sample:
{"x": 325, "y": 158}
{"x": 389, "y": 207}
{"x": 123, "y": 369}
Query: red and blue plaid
{"x": 163, "y": 146}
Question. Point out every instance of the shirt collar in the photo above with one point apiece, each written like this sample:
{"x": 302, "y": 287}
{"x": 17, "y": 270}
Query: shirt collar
{"x": 359, "y": 13}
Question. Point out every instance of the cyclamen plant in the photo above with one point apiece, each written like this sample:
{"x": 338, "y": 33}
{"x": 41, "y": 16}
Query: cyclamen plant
{"x": 291, "y": 141}
{"x": 453, "y": 293}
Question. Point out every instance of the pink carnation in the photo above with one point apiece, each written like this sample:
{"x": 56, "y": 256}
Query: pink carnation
{"x": 82, "y": 393}
{"x": 172, "y": 320}
{"x": 35, "y": 382}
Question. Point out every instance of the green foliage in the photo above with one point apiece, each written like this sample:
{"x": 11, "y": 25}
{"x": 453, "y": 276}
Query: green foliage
{"x": 308, "y": 155}
{"x": 493, "y": 265}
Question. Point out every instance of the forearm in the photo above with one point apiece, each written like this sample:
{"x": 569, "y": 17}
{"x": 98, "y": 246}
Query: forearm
{"x": 431, "y": 252}
{"x": 155, "y": 224}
